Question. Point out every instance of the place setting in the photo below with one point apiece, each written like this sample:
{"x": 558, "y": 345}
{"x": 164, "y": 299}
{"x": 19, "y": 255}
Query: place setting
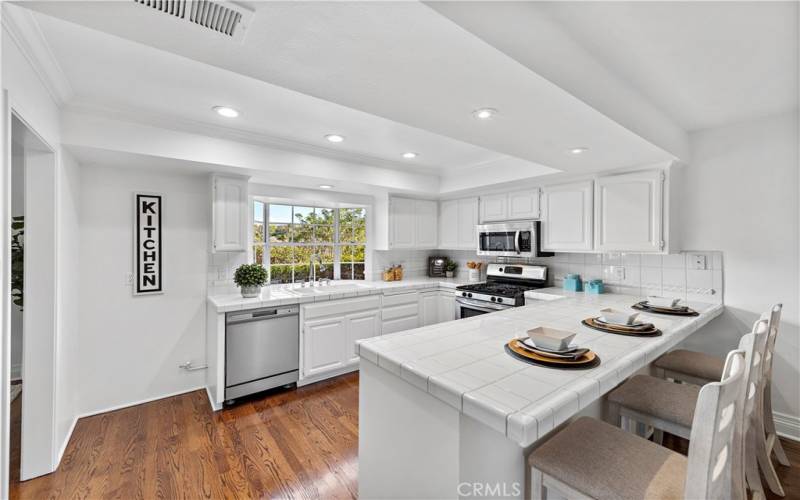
{"x": 621, "y": 323}
{"x": 552, "y": 348}
{"x": 664, "y": 305}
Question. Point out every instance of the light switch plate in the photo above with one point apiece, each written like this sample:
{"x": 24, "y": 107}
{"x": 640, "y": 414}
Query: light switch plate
{"x": 699, "y": 261}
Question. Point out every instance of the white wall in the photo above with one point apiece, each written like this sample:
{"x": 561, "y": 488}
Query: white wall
{"x": 130, "y": 347}
{"x": 741, "y": 197}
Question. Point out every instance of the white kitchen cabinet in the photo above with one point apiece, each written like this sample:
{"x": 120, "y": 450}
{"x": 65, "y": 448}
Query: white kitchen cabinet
{"x": 494, "y": 207}
{"x": 448, "y": 224}
{"x": 402, "y": 222}
{"x": 429, "y": 308}
{"x": 523, "y": 204}
{"x": 230, "y": 216}
{"x": 457, "y": 221}
{"x": 567, "y": 217}
{"x": 467, "y": 220}
{"x": 629, "y": 211}
{"x": 447, "y": 305}
{"x": 400, "y": 312}
{"x": 426, "y": 224}
{"x": 361, "y": 326}
{"x": 325, "y": 341}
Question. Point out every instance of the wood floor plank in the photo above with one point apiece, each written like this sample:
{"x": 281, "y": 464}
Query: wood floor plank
{"x": 300, "y": 443}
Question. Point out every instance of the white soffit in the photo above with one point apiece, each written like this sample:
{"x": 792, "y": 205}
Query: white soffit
{"x": 398, "y": 60}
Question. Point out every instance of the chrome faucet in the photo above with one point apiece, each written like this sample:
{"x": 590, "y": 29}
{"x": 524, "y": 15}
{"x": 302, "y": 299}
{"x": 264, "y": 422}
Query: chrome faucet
{"x": 312, "y": 270}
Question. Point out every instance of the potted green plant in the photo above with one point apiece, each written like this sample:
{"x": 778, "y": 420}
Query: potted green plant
{"x": 450, "y": 268}
{"x": 250, "y": 278}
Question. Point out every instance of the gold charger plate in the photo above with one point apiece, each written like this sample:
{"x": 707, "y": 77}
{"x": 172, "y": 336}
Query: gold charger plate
{"x": 588, "y": 360}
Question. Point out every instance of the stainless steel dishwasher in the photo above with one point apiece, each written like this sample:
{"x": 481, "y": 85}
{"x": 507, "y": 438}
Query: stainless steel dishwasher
{"x": 262, "y": 350}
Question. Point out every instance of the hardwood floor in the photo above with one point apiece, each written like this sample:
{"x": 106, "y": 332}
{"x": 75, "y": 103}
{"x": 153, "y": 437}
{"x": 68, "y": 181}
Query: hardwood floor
{"x": 288, "y": 444}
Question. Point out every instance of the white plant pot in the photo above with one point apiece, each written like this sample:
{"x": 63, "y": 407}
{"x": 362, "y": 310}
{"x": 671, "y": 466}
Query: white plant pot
{"x": 250, "y": 292}
{"x": 449, "y": 274}
{"x": 474, "y": 275}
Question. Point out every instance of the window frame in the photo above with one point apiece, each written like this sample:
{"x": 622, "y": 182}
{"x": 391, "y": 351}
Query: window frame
{"x": 337, "y": 245}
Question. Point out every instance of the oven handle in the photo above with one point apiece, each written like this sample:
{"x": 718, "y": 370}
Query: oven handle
{"x": 516, "y": 242}
{"x": 482, "y": 306}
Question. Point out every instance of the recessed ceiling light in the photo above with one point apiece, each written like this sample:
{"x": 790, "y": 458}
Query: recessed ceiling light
{"x": 410, "y": 155}
{"x": 335, "y": 138}
{"x": 325, "y": 186}
{"x": 484, "y": 113}
{"x": 226, "y": 111}
{"x": 577, "y": 151}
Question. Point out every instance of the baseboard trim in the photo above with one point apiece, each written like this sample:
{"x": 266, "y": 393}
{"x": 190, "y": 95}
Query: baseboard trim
{"x": 140, "y": 402}
{"x": 787, "y": 426}
{"x": 214, "y": 406}
{"x": 65, "y": 443}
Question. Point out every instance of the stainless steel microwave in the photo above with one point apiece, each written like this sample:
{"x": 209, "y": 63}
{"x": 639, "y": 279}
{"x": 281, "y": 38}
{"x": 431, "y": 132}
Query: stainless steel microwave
{"x": 511, "y": 239}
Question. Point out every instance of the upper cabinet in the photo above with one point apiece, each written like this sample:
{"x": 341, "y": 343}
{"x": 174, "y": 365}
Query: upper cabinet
{"x": 413, "y": 223}
{"x": 230, "y": 216}
{"x": 629, "y": 212}
{"x": 567, "y": 211}
{"x": 517, "y": 205}
{"x": 457, "y": 221}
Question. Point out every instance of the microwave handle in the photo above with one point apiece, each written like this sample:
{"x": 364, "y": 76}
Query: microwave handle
{"x": 516, "y": 242}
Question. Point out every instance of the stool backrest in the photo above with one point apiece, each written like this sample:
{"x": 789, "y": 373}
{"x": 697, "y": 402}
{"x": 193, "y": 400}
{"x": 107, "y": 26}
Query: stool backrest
{"x": 774, "y": 318}
{"x": 712, "y": 443}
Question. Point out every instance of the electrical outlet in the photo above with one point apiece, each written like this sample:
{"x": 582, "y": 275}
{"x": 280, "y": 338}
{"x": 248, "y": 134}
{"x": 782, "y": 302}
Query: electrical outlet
{"x": 128, "y": 279}
{"x": 222, "y": 273}
{"x": 699, "y": 261}
{"x": 619, "y": 273}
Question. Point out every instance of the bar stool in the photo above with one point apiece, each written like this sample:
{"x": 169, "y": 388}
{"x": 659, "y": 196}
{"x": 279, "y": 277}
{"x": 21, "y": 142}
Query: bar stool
{"x": 671, "y": 407}
{"x": 699, "y": 368}
{"x": 593, "y": 459}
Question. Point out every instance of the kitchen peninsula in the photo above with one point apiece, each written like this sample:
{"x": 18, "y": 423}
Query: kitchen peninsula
{"x": 445, "y": 412}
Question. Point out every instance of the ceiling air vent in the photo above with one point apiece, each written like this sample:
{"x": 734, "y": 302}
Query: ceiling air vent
{"x": 225, "y": 18}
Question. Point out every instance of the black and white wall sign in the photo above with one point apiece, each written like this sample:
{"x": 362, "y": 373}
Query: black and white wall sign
{"x": 147, "y": 251}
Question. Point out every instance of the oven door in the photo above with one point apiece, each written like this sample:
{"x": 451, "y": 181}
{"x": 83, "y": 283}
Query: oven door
{"x": 506, "y": 240}
{"x": 466, "y": 308}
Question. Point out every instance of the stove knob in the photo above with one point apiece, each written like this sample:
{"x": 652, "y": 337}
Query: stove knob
{"x": 463, "y": 294}
{"x": 499, "y": 299}
{"x": 469, "y": 295}
{"x": 494, "y": 299}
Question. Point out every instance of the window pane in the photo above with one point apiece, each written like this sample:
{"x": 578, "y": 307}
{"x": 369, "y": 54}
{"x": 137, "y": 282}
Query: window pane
{"x": 358, "y": 271}
{"x": 358, "y": 253}
{"x": 281, "y": 255}
{"x": 324, "y": 216}
{"x": 303, "y": 254}
{"x": 324, "y": 234}
{"x": 258, "y": 211}
{"x": 280, "y": 213}
{"x": 324, "y": 271}
{"x": 280, "y": 233}
{"x": 360, "y": 231}
{"x": 346, "y": 253}
{"x": 303, "y": 215}
{"x": 258, "y": 254}
{"x": 301, "y": 272}
{"x": 258, "y": 232}
{"x": 303, "y": 233}
{"x": 345, "y": 233}
{"x": 280, "y": 274}
{"x": 325, "y": 253}
{"x": 346, "y": 271}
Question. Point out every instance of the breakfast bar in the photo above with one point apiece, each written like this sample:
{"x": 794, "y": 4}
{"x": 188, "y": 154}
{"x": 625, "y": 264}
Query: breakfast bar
{"x": 445, "y": 412}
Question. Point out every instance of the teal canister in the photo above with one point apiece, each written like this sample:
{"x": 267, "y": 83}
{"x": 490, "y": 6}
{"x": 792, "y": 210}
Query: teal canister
{"x": 595, "y": 286}
{"x": 573, "y": 283}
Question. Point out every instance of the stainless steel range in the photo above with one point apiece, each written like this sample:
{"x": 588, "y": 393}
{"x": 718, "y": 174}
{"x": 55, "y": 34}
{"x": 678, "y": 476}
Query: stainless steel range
{"x": 504, "y": 288}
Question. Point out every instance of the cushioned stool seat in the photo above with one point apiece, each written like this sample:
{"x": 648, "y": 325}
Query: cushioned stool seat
{"x": 658, "y": 397}
{"x": 602, "y": 461}
{"x": 696, "y": 364}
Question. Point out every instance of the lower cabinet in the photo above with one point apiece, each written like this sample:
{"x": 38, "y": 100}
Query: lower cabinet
{"x": 400, "y": 312}
{"x": 447, "y": 306}
{"x": 436, "y": 306}
{"x": 360, "y": 326}
{"x": 324, "y": 345}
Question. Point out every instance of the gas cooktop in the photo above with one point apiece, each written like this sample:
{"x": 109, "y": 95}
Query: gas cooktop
{"x": 506, "y": 284}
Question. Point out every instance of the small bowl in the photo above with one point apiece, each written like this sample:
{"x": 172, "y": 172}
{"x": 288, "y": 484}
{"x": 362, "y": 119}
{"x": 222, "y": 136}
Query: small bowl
{"x": 668, "y": 302}
{"x": 616, "y": 317}
{"x": 550, "y": 338}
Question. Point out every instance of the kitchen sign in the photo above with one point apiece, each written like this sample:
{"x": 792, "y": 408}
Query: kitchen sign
{"x": 147, "y": 243}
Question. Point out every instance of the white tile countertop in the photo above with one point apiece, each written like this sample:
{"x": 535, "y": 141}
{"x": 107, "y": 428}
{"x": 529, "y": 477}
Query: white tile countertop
{"x": 464, "y": 364}
{"x": 278, "y": 295}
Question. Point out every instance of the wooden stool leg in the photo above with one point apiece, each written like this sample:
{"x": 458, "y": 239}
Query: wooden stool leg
{"x": 762, "y": 452}
{"x": 751, "y": 466}
{"x": 658, "y": 436}
{"x": 769, "y": 427}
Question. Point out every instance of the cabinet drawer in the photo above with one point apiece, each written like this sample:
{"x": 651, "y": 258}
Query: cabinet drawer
{"x": 400, "y": 324}
{"x": 340, "y": 307}
{"x": 400, "y": 311}
{"x": 400, "y": 298}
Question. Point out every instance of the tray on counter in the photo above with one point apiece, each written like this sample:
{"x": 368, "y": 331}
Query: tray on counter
{"x": 683, "y": 311}
{"x": 621, "y": 330}
{"x": 588, "y": 360}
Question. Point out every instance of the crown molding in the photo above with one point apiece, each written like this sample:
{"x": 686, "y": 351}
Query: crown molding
{"x": 155, "y": 119}
{"x": 24, "y": 30}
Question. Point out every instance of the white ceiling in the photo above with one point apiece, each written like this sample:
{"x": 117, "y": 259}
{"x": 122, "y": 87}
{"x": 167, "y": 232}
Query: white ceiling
{"x": 398, "y": 60}
{"x": 704, "y": 63}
